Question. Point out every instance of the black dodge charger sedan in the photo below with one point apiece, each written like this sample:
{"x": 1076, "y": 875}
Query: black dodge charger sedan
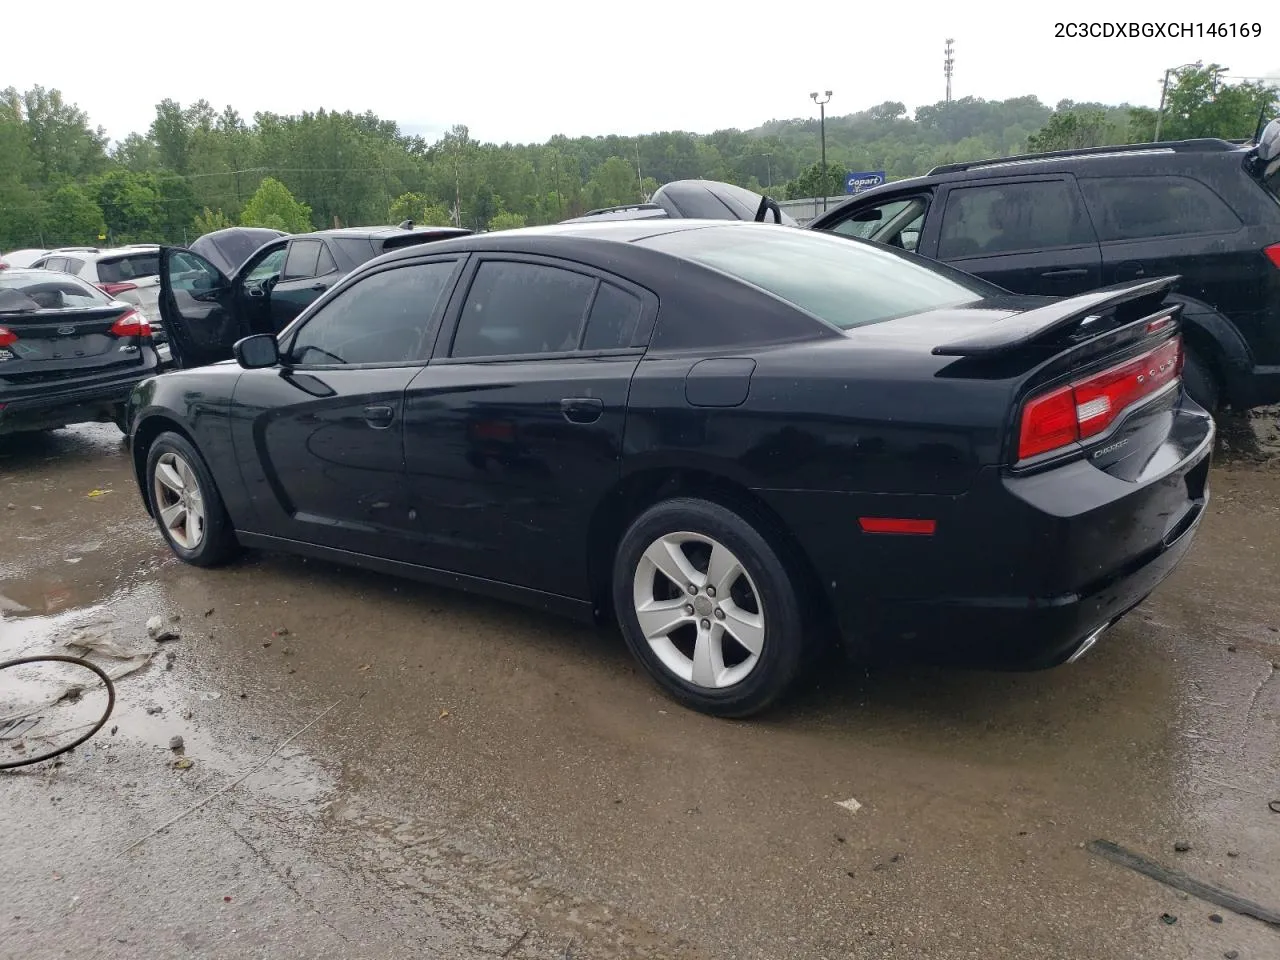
{"x": 731, "y": 437}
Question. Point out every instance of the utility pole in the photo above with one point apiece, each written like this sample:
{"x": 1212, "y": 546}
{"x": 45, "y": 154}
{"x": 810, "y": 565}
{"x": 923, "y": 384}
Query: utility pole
{"x": 822, "y": 123}
{"x": 948, "y": 65}
{"x": 1164, "y": 92}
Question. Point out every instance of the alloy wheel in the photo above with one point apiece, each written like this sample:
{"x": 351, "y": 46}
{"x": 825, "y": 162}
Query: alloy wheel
{"x": 179, "y": 501}
{"x": 699, "y": 610}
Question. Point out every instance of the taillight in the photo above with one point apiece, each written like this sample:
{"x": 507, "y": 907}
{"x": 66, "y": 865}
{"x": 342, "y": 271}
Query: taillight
{"x": 1077, "y": 411}
{"x": 1273, "y": 253}
{"x": 131, "y": 324}
{"x": 111, "y": 289}
{"x": 7, "y": 337}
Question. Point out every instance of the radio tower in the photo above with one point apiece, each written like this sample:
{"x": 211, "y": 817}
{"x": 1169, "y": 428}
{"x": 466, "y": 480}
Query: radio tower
{"x": 947, "y": 66}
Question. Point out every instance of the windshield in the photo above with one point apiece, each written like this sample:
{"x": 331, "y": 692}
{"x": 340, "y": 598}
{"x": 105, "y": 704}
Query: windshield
{"x": 848, "y": 283}
{"x": 33, "y": 292}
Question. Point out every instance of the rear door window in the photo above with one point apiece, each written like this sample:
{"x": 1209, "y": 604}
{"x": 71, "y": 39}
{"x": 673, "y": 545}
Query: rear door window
{"x": 1020, "y": 217}
{"x": 301, "y": 260}
{"x": 325, "y": 264}
{"x": 615, "y": 314}
{"x": 1135, "y": 208}
{"x": 521, "y": 309}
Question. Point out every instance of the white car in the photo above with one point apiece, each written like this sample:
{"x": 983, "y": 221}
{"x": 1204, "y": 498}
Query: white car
{"x": 130, "y": 273}
{"x": 17, "y": 259}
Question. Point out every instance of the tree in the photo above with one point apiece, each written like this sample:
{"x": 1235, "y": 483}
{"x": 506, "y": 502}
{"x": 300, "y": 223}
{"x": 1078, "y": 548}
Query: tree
{"x": 275, "y": 207}
{"x": 1201, "y": 104}
{"x": 60, "y": 138}
{"x": 72, "y": 218}
{"x": 507, "y": 221}
{"x": 420, "y": 209}
{"x": 209, "y": 221}
{"x": 1073, "y": 129}
{"x": 812, "y": 182}
{"x": 131, "y": 205}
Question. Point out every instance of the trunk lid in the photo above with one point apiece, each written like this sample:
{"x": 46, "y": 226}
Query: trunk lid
{"x": 1102, "y": 376}
{"x": 58, "y": 329}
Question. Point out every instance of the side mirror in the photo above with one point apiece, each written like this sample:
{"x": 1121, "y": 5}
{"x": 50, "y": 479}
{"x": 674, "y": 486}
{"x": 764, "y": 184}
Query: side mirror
{"x": 870, "y": 215}
{"x": 256, "y": 352}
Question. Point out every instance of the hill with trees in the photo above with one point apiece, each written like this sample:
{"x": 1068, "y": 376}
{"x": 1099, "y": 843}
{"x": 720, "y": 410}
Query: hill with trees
{"x": 195, "y": 168}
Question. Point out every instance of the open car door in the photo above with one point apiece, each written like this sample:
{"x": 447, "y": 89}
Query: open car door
{"x": 198, "y": 308}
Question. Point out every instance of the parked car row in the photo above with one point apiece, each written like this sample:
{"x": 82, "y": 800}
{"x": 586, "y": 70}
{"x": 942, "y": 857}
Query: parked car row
{"x": 738, "y": 440}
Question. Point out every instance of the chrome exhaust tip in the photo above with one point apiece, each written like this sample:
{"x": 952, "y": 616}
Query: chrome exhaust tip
{"x": 1087, "y": 643}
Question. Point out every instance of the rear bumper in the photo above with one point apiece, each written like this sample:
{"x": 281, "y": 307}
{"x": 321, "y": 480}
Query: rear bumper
{"x": 1030, "y": 633}
{"x": 1021, "y": 570}
{"x": 83, "y": 404}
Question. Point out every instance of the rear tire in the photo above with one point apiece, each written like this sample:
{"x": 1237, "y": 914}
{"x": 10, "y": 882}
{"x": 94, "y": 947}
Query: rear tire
{"x": 1201, "y": 381}
{"x": 735, "y": 644}
{"x": 186, "y": 505}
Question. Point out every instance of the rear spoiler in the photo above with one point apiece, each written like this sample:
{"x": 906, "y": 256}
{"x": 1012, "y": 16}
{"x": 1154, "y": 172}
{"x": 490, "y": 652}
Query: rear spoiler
{"x": 1023, "y": 329}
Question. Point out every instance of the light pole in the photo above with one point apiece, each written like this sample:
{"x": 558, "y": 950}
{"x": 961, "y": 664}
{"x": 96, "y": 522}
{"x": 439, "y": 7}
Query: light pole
{"x": 822, "y": 123}
{"x": 1164, "y": 92}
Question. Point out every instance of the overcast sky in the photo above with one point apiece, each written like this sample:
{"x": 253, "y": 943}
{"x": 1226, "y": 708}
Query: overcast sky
{"x": 524, "y": 71}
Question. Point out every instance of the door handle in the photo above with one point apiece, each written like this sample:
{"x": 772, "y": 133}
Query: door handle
{"x": 319, "y": 287}
{"x": 582, "y": 409}
{"x": 1072, "y": 272}
{"x": 379, "y": 416}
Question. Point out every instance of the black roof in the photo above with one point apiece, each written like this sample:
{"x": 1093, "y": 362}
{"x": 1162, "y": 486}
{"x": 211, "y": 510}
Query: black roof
{"x": 556, "y": 234}
{"x": 380, "y": 232}
{"x": 1202, "y": 145}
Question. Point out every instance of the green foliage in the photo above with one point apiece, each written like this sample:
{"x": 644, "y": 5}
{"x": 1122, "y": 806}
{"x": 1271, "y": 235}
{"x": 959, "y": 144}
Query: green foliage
{"x": 507, "y": 221}
{"x": 195, "y": 166}
{"x": 72, "y": 218}
{"x": 275, "y": 207}
{"x": 131, "y": 205}
{"x": 814, "y": 182}
{"x": 420, "y": 209}
{"x": 209, "y": 221}
{"x": 1075, "y": 128}
{"x": 1200, "y": 103}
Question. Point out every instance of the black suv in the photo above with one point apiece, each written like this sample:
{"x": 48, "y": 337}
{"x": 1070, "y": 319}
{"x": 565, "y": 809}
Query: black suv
{"x": 1058, "y": 224}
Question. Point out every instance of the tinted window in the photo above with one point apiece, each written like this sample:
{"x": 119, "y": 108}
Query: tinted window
{"x": 380, "y": 319}
{"x": 73, "y": 265}
{"x": 522, "y": 308}
{"x": 846, "y": 282}
{"x": 301, "y": 261}
{"x": 325, "y": 262}
{"x": 613, "y": 320}
{"x": 125, "y": 269}
{"x": 1009, "y": 217}
{"x": 1129, "y": 208}
{"x": 357, "y": 249}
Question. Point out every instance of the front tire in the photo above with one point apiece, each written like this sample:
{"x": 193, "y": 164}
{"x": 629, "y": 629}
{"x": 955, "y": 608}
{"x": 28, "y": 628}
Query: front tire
{"x": 707, "y": 607}
{"x": 186, "y": 504}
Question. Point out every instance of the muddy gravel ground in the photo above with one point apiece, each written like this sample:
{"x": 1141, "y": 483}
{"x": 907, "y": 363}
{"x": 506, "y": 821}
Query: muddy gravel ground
{"x": 436, "y": 775}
